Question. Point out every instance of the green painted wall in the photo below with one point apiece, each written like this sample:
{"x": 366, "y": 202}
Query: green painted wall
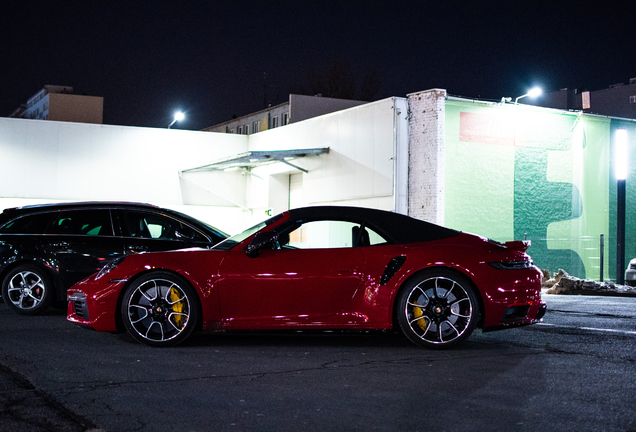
{"x": 516, "y": 171}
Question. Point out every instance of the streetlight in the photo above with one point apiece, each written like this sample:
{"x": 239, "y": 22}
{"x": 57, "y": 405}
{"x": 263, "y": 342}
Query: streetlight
{"x": 620, "y": 169}
{"x": 533, "y": 93}
{"x": 178, "y": 116}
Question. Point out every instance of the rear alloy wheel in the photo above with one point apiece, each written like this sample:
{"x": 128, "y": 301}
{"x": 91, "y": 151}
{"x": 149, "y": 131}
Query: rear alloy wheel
{"x": 27, "y": 290}
{"x": 160, "y": 309}
{"x": 438, "y": 309}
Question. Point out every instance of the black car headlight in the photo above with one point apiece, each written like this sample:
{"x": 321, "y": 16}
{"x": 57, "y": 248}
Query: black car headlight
{"x": 108, "y": 267}
{"x": 513, "y": 265}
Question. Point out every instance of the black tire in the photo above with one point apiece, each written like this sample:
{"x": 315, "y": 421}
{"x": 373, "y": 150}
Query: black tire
{"x": 160, "y": 320}
{"x": 437, "y": 309}
{"x": 28, "y": 290}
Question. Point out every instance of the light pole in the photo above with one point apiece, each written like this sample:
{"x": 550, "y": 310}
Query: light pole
{"x": 533, "y": 93}
{"x": 178, "y": 116}
{"x": 620, "y": 168}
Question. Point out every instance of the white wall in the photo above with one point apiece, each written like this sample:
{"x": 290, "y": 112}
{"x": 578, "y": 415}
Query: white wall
{"x": 359, "y": 169}
{"x": 47, "y": 161}
{"x": 51, "y": 161}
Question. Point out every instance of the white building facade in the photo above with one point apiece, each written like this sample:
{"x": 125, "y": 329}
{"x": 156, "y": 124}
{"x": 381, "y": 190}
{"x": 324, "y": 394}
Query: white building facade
{"x": 362, "y": 161}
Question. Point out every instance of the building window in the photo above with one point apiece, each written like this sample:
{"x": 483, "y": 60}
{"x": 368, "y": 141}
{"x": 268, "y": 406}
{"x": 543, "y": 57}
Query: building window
{"x": 285, "y": 119}
{"x": 231, "y": 130}
{"x": 274, "y": 122}
{"x": 239, "y": 129}
{"x": 256, "y": 126}
{"x": 632, "y": 99}
{"x": 246, "y": 129}
{"x": 585, "y": 100}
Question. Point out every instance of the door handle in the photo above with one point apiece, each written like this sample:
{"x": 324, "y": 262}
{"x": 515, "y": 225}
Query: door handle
{"x": 137, "y": 249}
{"x": 59, "y": 245}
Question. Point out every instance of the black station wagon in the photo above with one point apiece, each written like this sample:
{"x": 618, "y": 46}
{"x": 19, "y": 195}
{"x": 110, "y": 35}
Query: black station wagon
{"x": 45, "y": 249}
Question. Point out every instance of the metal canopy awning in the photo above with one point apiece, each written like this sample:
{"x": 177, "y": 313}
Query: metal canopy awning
{"x": 253, "y": 159}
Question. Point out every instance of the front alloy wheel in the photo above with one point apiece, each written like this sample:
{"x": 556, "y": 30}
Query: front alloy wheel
{"x": 160, "y": 309}
{"x": 438, "y": 310}
{"x": 27, "y": 290}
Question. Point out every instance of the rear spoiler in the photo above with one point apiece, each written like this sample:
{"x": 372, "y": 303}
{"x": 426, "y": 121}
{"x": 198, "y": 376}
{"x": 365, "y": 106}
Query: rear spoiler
{"x": 521, "y": 245}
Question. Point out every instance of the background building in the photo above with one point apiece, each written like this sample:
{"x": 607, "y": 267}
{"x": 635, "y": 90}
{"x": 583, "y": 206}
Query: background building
{"x": 618, "y": 100}
{"x": 298, "y": 108}
{"x": 58, "y": 103}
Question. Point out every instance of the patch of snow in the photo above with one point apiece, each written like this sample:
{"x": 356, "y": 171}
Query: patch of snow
{"x": 563, "y": 283}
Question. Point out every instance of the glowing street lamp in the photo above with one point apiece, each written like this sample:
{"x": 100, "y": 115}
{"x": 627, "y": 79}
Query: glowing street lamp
{"x": 178, "y": 116}
{"x": 620, "y": 170}
{"x": 533, "y": 93}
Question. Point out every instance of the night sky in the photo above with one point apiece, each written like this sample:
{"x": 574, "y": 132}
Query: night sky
{"x": 219, "y": 59}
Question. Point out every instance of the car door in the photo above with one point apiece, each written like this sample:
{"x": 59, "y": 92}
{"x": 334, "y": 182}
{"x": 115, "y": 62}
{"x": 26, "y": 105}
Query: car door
{"x": 146, "y": 231}
{"x": 313, "y": 276}
{"x": 80, "y": 242}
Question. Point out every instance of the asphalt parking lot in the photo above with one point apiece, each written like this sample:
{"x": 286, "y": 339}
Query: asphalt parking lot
{"x": 573, "y": 372}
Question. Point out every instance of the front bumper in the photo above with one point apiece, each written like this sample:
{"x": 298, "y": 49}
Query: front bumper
{"x": 94, "y": 304}
{"x": 77, "y": 306}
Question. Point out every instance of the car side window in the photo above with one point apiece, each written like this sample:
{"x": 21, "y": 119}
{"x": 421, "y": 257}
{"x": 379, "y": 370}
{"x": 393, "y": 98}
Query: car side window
{"x": 330, "y": 235}
{"x": 95, "y": 222}
{"x": 30, "y": 224}
{"x": 155, "y": 226}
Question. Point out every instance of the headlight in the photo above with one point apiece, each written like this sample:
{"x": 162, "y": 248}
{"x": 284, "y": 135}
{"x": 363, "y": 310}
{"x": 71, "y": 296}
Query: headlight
{"x": 512, "y": 265}
{"x": 108, "y": 267}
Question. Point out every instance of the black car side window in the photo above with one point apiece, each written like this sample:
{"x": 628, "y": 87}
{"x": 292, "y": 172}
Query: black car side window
{"x": 155, "y": 226}
{"x": 30, "y": 224}
{"x": 83, "y": 222}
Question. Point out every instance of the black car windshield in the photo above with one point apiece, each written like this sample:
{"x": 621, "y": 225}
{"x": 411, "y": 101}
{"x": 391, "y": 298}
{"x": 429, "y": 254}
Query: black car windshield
{"x": 197, "y": 222}
{"x": 230, "y": 242}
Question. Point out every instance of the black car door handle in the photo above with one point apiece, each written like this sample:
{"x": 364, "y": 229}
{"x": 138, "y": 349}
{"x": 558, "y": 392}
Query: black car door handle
{"x": 59, "y": 245}
{"x": 137, "y": 248}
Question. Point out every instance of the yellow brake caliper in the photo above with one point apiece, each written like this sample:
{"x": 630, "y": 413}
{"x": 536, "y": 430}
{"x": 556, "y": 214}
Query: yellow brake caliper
{"x": 417, "y": 313}
{"x": 177, "y": 307}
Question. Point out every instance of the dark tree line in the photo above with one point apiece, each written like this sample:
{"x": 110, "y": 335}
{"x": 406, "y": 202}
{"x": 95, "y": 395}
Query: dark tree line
{"x": 338, "y": 81}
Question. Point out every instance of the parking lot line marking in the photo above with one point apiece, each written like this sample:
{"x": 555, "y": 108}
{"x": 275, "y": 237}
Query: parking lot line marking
{"x": 590, "y": 328}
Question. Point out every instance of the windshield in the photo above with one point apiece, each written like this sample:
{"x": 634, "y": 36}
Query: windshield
{"x": 195, "y": 222}
{"x": 229, "y": 243}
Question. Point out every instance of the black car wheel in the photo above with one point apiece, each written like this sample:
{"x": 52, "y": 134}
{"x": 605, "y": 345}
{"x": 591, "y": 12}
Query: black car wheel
{"x": 27, "y": 290}
{"x": 160, "y": 309}
{"x": 438, "y": 309}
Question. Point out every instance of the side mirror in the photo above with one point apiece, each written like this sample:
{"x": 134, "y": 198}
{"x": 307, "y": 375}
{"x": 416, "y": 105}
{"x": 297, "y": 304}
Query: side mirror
{"x": 262, "y": 240}
{"x": 184, "y": 233}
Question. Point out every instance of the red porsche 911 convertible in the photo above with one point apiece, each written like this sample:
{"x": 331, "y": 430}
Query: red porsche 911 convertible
{"x": 319, "y": 268}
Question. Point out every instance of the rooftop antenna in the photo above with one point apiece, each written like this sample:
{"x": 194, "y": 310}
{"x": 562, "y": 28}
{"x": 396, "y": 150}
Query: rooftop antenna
{"x": 264, "y": 91}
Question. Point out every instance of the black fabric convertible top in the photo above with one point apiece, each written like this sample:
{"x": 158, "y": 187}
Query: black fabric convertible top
{"x": 398, "y": 228}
